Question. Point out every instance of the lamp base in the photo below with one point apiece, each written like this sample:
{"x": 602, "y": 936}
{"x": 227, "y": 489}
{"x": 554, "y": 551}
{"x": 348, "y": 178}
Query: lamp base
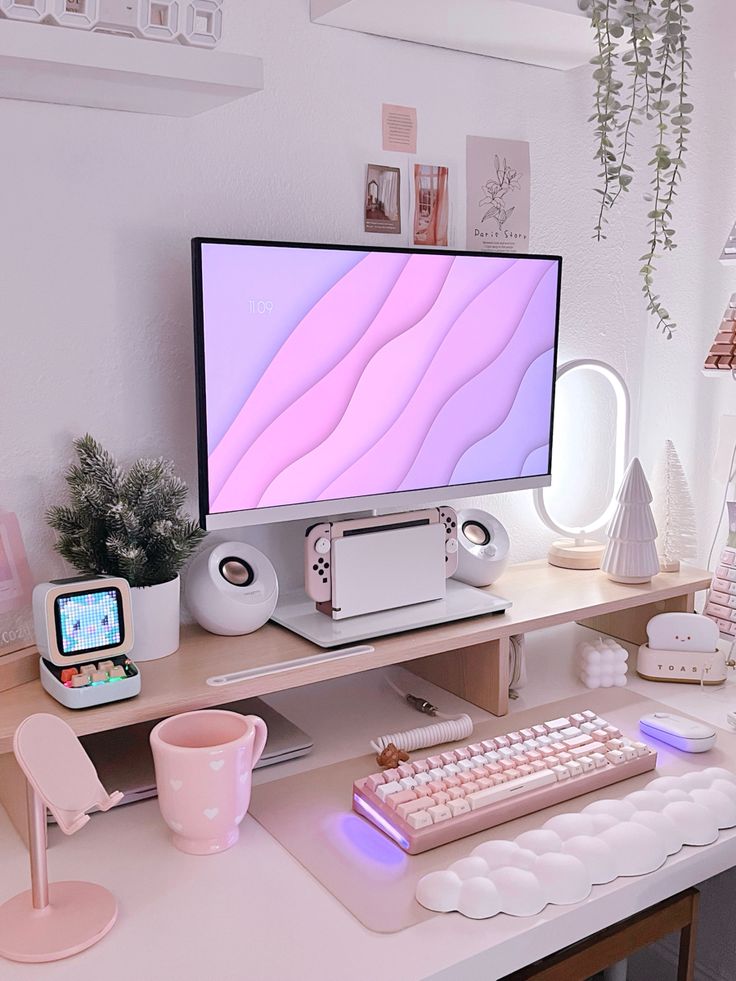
{"x": 576, "y": 553}
{"x": 78, "y": 915}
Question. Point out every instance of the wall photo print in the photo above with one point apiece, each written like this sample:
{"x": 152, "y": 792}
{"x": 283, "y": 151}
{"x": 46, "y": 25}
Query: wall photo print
{"x": 382, "y": 200}
{"x": 431, "y": 205}
{"x": 498, "y": 192}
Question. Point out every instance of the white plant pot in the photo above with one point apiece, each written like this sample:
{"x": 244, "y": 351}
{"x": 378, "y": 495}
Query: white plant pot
{"x": 155, "y": 620}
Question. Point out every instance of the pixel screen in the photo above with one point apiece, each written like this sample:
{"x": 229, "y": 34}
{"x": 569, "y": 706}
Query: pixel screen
{"x": 338, "y": 373}
{"x": 88, "y": 621}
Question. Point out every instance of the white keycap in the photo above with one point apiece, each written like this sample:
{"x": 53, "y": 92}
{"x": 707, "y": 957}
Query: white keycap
{"x": 570, "y": 732}
{"x": 641, "y": 748}
{"x": 422, "y": 778}
{"x": 613, "y": 756}
{"x": 539, "y": 730}
{"x": 577, "y": 719}
{"x": 586, "y": 750}
{"x": 588, "y": 727}
{"x": 615, "y": 744}
{"x": 439, "y": 773}
{"x": 574, "y": 768}
{"x": 586, "y": 763}
{"x": 419, "y": 819}
{"x": 531, "y": 744}
{"x": 561, "y": 772}
{"x": 590, "y": 716}
{"x": 459, "y": 806}
{"x": 629, "y": 752}
{"x": 478, "y": 760}
{"x": 492, "y": 757}
{"x": 386, "y": 789}
{"x": 490, "y": 795}
{"x": 466, "y": 765}
{"x": 408, "y": 783}
{"x": 438, "y": 813}
{"x": 574, "y": 741}
{"x": 598, "y": 759}
{"x": 451, "y": 770}
{"x": 557, "y": 724}
{"x": 506, "y": 752}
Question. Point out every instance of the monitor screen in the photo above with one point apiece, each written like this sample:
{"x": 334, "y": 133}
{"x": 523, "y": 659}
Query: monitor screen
{"x": 89, "y": 621}
{"x": 333, "y": 378}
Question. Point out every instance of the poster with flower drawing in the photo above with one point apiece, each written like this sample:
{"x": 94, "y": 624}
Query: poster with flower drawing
{"x": 498, "y": 186}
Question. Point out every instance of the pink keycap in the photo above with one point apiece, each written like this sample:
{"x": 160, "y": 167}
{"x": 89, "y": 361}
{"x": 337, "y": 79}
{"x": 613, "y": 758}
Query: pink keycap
{"x": 393, "y": 800}
{"x": 489, "y": 745}
{"x": 546, "y": 752}
{"x": 422, "y": 791}
{"x": 476, "y": 749}
{"x": 525, "y": 770}
{"x": 515, "y": 737}
{"x": 510, "y": 775}
{"x": 390, "y": 775}
{"x": 449, "y": 758}
{"x": 527, "y": 733}
{"x": 463, "y": 753}
{"x": 613, "y": 732}
{"x": 484, "y": 783}
{"x": 470, "y": 788}
{"x": 404, "y": 810}
{"x": 521, "y": 758}
{"x": 441, "y": 797}
{"x": 493, "y": 768}
{"x": 558, "y": 747}
{"x": 421, "y": 766}
{"x": 506, "y": 765}
{"x": 435, "y": 786}
{"x": 434, "y": 761}
{"x": 452, "y": 782}
{"x": 552, "y": 761}
{"x": 539, "y": 730}
{"x": 498, "y": 778}
{"x": 375, "y": 780}
{"x": 600, "y": 735}
{"x": 564, "y": 757}
{"x": 478, "y": 773}
{"x": 464, "y": 778}
{"x": 538, "y": 765}
{"x": 502, "y": 741}
{"x": 406, "y": 770}
{"x": 533, "y": 755}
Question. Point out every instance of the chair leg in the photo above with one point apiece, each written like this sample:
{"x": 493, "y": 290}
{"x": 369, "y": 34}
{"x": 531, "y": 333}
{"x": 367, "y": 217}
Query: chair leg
{"x": 686, "y": 960}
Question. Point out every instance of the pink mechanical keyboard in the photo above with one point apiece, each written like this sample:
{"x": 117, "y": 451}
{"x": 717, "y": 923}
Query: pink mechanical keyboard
{"x": 428, "y": 802}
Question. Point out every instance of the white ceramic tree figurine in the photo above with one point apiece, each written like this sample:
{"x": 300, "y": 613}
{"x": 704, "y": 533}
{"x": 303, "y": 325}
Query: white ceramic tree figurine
{"x": 631, "y": 555}
{"x": 674, "y": 511}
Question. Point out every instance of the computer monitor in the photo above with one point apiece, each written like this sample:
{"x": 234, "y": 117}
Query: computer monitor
{"x": 339, "y": 379}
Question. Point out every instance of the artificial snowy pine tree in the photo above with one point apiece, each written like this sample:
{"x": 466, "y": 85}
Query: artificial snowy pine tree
{"x": 631, "y": 555}
{"x": 675, "y": 512}
{"x": 124, "y": 524}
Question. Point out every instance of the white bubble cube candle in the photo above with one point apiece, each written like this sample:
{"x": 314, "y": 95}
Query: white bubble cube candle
{"x": 603, "y": 663}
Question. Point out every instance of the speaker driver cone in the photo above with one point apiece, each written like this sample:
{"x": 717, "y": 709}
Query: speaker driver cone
{"x": 476, "y": 533}
{"x": 236, "y": 571}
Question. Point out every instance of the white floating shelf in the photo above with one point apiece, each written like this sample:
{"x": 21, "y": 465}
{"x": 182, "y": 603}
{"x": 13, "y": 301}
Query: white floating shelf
{"x": 550, "y": 33}
{"x": 41, "y": 63}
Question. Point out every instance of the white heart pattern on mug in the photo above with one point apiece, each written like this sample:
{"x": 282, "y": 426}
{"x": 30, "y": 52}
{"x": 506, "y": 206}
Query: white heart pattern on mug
{"x": 211, "y": 812}
{"x": 176, "y": 784}
{"x": 175, "y": 826}
{"x": 217, "y": 765}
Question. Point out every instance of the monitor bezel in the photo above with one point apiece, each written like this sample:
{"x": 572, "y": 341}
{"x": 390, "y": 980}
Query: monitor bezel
{"x": 389, "y": 501}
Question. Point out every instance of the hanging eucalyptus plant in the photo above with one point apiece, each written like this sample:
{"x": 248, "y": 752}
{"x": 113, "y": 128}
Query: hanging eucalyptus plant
{"x": 641, "y": 76}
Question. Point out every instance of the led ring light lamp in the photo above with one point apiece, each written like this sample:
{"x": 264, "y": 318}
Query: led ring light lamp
{"x": 576, "y": 550}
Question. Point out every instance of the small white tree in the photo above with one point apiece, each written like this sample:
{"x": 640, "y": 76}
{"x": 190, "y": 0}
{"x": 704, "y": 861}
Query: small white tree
{"x": 631, "y": 555}
{"x": 675, "y": 512}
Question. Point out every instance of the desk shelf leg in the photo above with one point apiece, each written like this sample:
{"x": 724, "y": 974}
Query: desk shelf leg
{"x": 478, "y": 674}
{"x": 630, "y": 625}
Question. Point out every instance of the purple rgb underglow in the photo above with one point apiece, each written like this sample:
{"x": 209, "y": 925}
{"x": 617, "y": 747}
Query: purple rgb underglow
{"x": 333, "y": 373}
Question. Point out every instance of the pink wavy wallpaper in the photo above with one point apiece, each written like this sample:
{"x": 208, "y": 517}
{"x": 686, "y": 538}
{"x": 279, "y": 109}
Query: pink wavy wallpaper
{"x": 335, "y": 374}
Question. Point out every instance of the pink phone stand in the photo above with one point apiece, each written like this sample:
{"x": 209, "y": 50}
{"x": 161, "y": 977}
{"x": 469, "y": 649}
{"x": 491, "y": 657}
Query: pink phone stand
{"x": 49, "y": 922}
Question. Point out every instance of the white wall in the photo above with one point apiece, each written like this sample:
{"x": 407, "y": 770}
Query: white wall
{"x": 98, "y": 208}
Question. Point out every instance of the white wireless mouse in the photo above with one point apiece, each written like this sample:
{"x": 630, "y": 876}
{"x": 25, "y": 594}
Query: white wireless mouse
{"x": 677, "y": 731}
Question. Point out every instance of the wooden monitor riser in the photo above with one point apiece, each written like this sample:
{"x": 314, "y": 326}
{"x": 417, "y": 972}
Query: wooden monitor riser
{"x": 469, "y": 658}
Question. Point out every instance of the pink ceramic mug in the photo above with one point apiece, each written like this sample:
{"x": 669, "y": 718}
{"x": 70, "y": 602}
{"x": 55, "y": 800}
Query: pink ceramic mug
{"x": 203, "y": 766}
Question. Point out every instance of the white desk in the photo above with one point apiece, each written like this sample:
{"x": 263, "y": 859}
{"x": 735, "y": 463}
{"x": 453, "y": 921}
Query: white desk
{"x": 254, "y": 913}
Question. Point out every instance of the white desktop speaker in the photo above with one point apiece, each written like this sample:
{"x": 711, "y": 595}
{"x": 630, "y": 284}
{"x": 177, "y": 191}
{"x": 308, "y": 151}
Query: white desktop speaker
{"x": 483, "y": 551}
{"x": 231, "y": 588}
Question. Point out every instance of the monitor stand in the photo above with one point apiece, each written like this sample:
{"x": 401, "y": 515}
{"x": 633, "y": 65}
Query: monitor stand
{"x": 297, "y": 613}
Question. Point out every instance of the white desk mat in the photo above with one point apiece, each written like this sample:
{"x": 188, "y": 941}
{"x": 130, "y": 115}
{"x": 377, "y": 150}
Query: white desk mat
{"x": 310, "y": 813}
